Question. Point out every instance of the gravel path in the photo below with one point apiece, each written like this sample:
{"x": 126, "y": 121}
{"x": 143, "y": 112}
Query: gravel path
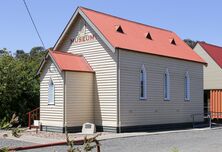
{"x": 15, "y": 143}
{"x": 190, "y": 141}
{"x": 12, "y": 143}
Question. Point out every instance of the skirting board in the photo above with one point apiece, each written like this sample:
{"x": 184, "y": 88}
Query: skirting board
{"x": 61, "y": 129}
{"x": 138, "y": 128}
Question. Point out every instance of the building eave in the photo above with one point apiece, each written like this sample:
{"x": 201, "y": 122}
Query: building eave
{"x": 77, "y": 12}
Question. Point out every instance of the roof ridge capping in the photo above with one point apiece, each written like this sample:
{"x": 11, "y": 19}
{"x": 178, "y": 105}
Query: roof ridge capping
{"x": 80, "y": 7}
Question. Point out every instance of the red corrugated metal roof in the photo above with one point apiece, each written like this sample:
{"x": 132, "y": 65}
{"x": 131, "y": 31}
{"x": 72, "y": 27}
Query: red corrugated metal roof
{"x": 214, "y": 51}
{"x": 70, "y": 62}
{"x": 134, "y": 37}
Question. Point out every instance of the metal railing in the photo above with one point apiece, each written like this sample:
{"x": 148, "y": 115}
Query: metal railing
{"x": 210, "y": 119}
{"x": 33, "y": 115}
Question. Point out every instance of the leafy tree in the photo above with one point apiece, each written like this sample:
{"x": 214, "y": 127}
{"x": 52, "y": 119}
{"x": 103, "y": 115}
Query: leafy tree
{"x": 21, "y": 54}
{"x": 190, "y": 43}
{"x": 35, "y": 51}
{"x": 19, "y": 85}
{"x": 3, "y": 51}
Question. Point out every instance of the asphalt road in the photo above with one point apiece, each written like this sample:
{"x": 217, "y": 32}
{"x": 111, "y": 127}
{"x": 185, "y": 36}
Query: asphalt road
{"x": 189, "y": 141}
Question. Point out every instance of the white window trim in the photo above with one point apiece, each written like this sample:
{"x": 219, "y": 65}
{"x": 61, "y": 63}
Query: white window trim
{"x": 53, "y": 93}
{"x": 187, "y": 87}
{"x": 145, "y": 83}
{"x": 167, "y": 90}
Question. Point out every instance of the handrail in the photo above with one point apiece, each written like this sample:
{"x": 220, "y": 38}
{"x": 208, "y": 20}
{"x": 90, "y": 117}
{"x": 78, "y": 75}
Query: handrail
{"x": 34, "y": 114}
{"x": 33, "y": 110}
{"x": 208, "y": 115}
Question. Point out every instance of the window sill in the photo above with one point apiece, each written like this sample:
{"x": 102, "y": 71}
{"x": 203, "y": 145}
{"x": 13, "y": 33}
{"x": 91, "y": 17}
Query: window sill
{"x": 166, "y": 99}
{"x": 143, "y": 99}
{"x": 51, "y": 104}
{"x": 187, "y": 100}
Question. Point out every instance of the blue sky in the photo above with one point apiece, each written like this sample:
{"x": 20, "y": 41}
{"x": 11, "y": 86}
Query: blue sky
{"x": 194, "y": 19}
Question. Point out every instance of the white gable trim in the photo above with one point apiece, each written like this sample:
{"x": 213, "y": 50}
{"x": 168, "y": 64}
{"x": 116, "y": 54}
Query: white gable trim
{"x": 78, "y": 11}
{"x": 66, "y": 29}
{"x": 44, "y": 61}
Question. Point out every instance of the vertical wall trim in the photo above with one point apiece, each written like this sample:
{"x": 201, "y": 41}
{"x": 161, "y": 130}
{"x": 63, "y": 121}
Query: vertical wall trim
{"x": 64, "y": 100}
{"x": 118, "y": 92}
{"x": 94, "y": 98}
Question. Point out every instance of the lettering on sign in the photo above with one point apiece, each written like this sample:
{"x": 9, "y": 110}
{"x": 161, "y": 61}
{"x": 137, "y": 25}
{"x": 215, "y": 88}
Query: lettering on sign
{"x": 81, "y": 39}
{"x": 88, "y": 126}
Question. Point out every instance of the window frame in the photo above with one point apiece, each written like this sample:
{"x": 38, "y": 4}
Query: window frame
{"x": 166, "y": 85}
{"x": 51, "y": 85}
{"x": 143, "y": 75}
{"x": 187, "y": 86}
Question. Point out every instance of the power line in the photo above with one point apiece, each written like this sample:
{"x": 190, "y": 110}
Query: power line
{"x": 26, "y": 6}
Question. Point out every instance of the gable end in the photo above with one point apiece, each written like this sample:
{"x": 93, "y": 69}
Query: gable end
{"x": 87, "y": 20}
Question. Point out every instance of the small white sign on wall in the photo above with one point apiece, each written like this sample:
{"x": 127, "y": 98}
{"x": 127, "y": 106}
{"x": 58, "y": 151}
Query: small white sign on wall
{"x": 88, "y": 128}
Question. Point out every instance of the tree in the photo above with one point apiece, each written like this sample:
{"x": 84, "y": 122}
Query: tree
{"x": 19, "y": 85}
{"x": 3, "y": 51}
{"x": 190, "y": 43}
{"x": 20, "y": 54}
{"x": 35, "y": 51}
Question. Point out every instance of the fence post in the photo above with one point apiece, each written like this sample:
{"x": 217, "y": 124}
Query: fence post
{"x": 29, "y": 120}
{"x": 210, "y": 123}
{"x": 193, "y": 120}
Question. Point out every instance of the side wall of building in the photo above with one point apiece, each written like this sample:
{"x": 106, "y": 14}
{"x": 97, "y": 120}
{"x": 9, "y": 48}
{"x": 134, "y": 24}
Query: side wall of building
{"x": 78, "y": 99}
{"x": 103, "y": 62}
{"x": 212, "y": 72}
{"x": 155, "y": 110}
{"x": 51, "y": 116}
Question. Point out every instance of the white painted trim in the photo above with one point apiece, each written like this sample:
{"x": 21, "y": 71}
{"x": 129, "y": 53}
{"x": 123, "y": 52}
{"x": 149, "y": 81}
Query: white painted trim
{"x": 143, "y": 68}
{"x": 187, "y": 87}
{"x": 55, "y": 63}
{"x": 44, "y": 61}
{"x": 66, "y": 28}
{"x": 78, "y": 11}
{"x": 167, "y": 90}
{"x": 53, "y": 92}
{"x": 118, "y": 91}
{"x": 112, "y": 48}
{"x": 41, "y": 66}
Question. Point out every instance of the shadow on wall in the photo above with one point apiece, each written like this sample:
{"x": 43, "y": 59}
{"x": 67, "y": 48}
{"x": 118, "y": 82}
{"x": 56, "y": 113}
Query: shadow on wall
{"x": 96, "y": 107}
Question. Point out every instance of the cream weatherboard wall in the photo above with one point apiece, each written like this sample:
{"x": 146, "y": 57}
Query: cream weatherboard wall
{"x": 78, "y": 98}
{"x": 212, "y": 72}
{"x": 155, "y": 110}
{"x": 51, "y": 115}
{"x": 103, "y": 62}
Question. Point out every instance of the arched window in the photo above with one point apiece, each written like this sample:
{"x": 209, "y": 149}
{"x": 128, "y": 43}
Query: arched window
{"x": 51, "y": 93}
{"x": 187, "y": 86}
{"x": 143, "y": 83}
{"x": 166, "y": 85}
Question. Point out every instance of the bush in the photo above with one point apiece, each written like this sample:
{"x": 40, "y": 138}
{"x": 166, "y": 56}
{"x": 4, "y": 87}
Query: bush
{"x": 19, "y": 85}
